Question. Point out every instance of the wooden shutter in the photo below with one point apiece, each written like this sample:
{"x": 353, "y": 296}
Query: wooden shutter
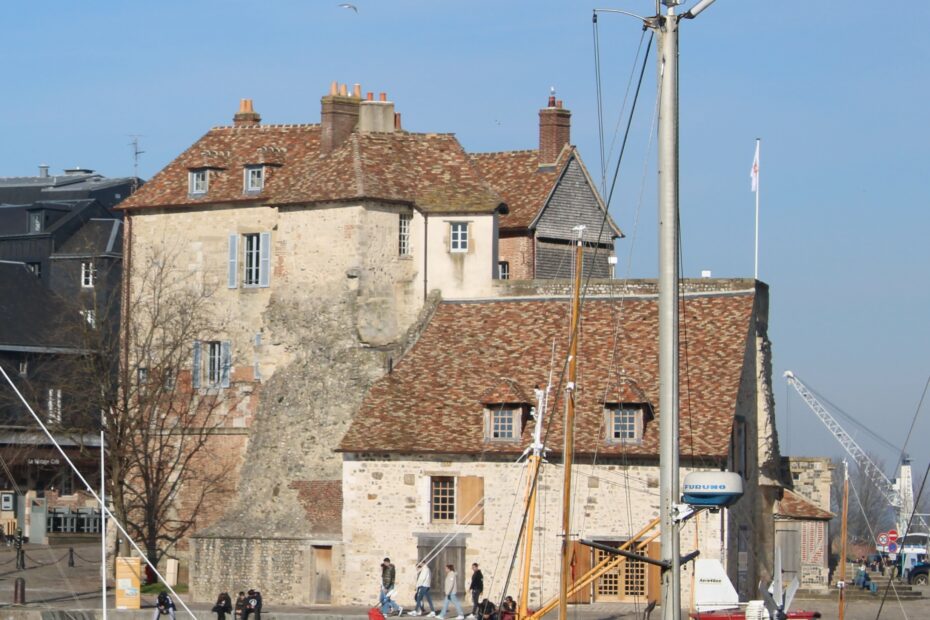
{"x": 233, "y": 275}
{"x": 264, "y": 265}
{"x": 195, "y": 369}
{"x": 654, "y": 573}
{"x": 226, "y": 352}
{"x": 581, "y": 564}
{"x": 469, "y": 500}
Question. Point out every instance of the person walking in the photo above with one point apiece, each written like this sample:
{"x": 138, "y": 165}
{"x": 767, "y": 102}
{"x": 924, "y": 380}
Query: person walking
{"x": 388, "y": 589}
{"x": 424, "y": 577}
{"x": 450, "y": 595}
{"x": 476, "y": 587}
{"x": 223, "y": 606}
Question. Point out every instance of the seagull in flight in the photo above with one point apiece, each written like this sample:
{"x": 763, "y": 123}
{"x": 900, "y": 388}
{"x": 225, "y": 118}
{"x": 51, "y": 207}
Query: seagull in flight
{"x": 346, "y": 5}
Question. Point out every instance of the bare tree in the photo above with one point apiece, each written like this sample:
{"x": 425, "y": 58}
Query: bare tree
{"x": 154, "y": 376}
{"x": 869, "y": 510}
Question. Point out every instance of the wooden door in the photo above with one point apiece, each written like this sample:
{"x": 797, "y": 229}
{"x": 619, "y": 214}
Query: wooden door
{"x": 625, "y": 584}
{"x": 581, "y": 564}
{"x": 322, "y": 575}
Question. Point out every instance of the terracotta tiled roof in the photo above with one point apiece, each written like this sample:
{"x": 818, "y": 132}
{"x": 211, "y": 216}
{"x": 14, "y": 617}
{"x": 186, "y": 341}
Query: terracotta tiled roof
{"x": 430, "y": 171}
{"x": 507, "y": 391}
{"x": 793, "y": 506}
{"x": 431, "y": 401}
{"x": 523, "y": 184}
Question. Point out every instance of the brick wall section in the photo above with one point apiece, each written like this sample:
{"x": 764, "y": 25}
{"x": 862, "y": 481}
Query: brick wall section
{"x": 322, "y": 501}
{"x": 518, "y": 251}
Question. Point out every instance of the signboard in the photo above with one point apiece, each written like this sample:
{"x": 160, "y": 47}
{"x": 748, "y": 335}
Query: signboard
{"x": 883, "y": 539}
{"x": 128, "y": 574}
{"x": 892, "y": 536}
{"x": 892, "y": 548}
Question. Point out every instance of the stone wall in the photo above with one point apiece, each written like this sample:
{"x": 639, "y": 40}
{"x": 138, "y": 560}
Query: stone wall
{"x": 810, "y": 477}
{"x": 387, "y": 512}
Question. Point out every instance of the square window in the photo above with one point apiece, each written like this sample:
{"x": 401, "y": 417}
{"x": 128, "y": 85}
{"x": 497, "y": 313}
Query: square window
{"x": 143, "y": 376}
{"x": 442, "y": 498}
{"x": 252, "y": 262}
{"x": 88, "y": 274}
{"x": 624, "y": 424}
{"x": 459, "y": 237}
{"x": 254, "y": 178}
{"x": 403, "y": 232}
{"x": 503, "y": 270}
{"x": 23, "y": 368}
{"x": 197, "y": 181}
{"x": 35, "y": 268}
{"x": 214, "y": 363}
{"x": 504, "y": 423}
{"x": 90, "y": 316}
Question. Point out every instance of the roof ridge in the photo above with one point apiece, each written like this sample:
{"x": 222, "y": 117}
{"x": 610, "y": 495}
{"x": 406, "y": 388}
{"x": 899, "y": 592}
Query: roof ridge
{"x": 513, "y": 152}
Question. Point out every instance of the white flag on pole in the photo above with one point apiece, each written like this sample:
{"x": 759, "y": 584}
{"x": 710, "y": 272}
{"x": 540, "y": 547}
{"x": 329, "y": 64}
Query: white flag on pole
{"x": 754, "y": 173}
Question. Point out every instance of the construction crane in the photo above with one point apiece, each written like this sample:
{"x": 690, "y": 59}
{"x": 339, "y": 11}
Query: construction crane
{"x": 899, "y": 494}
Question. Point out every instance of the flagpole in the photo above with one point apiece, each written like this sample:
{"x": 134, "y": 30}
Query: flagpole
{"x": 756, "y": 188}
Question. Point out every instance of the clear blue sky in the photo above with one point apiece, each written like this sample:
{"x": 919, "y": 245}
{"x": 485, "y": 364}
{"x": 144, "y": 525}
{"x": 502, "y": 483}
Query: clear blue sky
{"x": 835, "y": 90}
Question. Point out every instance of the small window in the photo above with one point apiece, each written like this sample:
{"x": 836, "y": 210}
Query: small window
{"x": 90, "y": 316}
{"x": 624, "y": 424}
{"x": 254, "y": 178}
{"x": 88, "y": 274}
{"x": 503, "y": 270}
{"x": 54, "y": 405}
{"x": 252, "y": 263}
{"x": 459, "y": 237}
{"x": 254, "y": 258}
{"x": 504, "y": 423}
{"x": 197, "y": 182}
{"x": 36, "y": 221}
{"x": 143, "y": 377}
{"x": 403, "y": 231}
{"x": 212, "y": 364}
{"x": 442, "y": 498}
{"x": 23, "y": 368}
{"x": 35, "y": 268}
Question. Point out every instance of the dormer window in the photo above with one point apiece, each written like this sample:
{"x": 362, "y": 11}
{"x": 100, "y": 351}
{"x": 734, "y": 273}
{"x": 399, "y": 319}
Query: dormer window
{"x": 198, "y": 181}
{"x": 504, "y": 422}
{"x": 254, "y": 178}
{"x": 624, "y": 423}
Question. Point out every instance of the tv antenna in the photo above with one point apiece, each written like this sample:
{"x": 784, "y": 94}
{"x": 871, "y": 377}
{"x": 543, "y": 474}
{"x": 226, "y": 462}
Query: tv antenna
{"x": 136, "y": 152}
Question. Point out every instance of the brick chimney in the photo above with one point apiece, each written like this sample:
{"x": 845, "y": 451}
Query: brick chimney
{"x": 555, "y": 124}
{"x": 338, "y": 116}
{"x": 246, "y": 116}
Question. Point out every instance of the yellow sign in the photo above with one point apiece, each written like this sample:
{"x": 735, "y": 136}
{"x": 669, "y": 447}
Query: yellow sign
{"x": 128, "y": 578}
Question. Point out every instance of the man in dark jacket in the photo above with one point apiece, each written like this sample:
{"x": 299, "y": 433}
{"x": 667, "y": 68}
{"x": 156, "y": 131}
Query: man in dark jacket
{"x": 476, "y": 587}
{"x": 164, "y": 605}
{"x": 388, "y": 573}
{"x": 253, "y": 605}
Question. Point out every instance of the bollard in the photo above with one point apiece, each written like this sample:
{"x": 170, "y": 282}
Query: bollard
{"x": 70, "y": 557}
{"x": 19, "y": 591}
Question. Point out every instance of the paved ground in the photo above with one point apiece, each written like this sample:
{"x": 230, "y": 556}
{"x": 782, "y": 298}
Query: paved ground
{"x": 55, "y": 591}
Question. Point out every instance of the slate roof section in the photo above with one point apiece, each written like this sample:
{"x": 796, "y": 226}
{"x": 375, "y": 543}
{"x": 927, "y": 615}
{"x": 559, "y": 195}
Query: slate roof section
{"x": 97, "y": 237}
{"x": 430, "y": 403}
{"x": 525, "y": 185}
{"x": 33, "y": 316}
{"x": 794, "y": 506}
{"x": 429, "y": 171}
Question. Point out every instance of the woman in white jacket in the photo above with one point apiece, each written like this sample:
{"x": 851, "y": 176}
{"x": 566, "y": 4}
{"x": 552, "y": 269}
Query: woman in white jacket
{"x": 450, "y": 595}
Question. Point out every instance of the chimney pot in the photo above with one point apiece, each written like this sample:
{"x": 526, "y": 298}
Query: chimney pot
{"x": 397, "y": 126}
{"x": 357, "y": 90}
{"x": 370, "y": 96}
{"x": 343, "y": 90}
{"x": 246, "y": 116}
{"x": 43, "y": 170}
{"x": 551, "y": 101}
{"x": 558, "y": 103}
{"x": 382, "y": 97}
{"x": 333, "y": 89}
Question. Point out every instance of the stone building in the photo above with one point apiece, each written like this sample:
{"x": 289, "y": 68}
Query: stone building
{"x": 432, "y": 454}
{"x": 324, "y": 248}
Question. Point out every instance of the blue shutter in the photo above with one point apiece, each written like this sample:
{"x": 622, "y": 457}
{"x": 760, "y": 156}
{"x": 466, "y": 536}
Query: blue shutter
{"x": 264, "y": 270}
{"x": 195, "y": 370}
{"x": 227, "y": 363}
{"x": 233, "y": 257}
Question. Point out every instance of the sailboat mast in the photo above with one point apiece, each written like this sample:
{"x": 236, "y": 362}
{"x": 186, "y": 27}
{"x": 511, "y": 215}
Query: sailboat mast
{"x": 667, "y": 27}
{"x": 569, "y": 433}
